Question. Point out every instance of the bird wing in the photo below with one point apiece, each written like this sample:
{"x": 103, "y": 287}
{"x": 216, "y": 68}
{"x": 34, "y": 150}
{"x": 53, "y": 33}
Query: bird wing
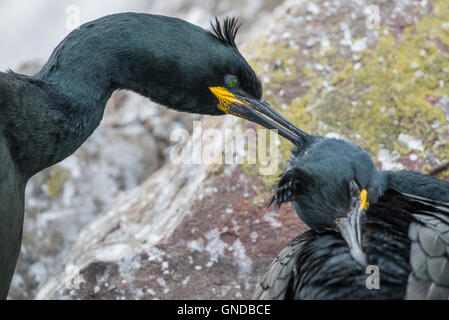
{"x": 275, "y": 282}
{"x": 419, "y": 184}
{"x": 429, "y": 253}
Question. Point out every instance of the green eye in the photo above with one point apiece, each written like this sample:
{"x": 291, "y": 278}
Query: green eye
{"x": 232, "y": 82}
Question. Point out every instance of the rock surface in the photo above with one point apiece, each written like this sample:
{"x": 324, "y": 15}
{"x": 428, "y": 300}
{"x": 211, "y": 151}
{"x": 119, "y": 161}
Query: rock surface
{"x": 204, "y": 232}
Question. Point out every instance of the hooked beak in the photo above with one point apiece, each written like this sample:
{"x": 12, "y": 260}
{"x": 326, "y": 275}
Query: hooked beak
{"x": 350, "y": 227}
{"x": 259, "y": 112}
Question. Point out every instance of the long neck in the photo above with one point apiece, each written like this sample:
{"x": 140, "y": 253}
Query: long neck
{"x": 69, "y": 94}
{"x": 45, "y": 123}
{"x": 66, "y": 99}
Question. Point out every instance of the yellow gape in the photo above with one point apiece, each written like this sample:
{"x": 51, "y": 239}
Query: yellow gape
{"x": 225, "y": 99}
{"x": 364, "y": 204}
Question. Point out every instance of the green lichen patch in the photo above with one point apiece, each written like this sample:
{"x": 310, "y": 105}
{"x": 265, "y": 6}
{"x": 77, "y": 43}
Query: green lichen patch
{"x": 379, "y": 100}
{"x": 55, "y": 183}
{"x": 384, "y": 95}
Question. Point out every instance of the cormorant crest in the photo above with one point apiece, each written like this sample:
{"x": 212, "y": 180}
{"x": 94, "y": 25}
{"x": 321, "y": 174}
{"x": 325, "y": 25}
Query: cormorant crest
{"x": 226, "y": 30}
{"x": 292, "y": 182}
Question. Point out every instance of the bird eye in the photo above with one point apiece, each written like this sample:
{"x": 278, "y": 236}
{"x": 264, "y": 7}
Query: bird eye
{"x": 231, "y": 82}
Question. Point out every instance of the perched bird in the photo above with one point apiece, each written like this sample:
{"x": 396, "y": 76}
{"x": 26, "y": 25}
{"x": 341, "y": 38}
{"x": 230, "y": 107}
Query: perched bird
{"x": 47, "y": 116}
{"x": 364, "y": 222}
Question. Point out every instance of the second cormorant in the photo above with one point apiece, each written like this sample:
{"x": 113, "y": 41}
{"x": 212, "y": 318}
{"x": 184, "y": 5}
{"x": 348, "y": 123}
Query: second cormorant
{"x": 365, "y": 222}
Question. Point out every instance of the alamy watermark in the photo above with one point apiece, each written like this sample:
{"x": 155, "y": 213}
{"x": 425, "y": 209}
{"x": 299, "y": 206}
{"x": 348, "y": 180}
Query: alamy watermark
{"x": 72, "y": 20}
{"x": 373, "y": 281}
{"x": 373, "y": 19}
{"x": 229, "y": 146}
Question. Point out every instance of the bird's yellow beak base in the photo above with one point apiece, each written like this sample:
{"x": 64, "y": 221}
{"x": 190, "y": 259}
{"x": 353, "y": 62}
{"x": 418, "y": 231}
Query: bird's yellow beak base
{"x": 226, "y": 98}
{"x": 364, "y": 204}
{"x": 257, "y": 111}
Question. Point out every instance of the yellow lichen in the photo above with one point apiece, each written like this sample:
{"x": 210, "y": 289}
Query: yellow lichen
{"x": 55, "y": 183}
{"x": 385, "y": 95}
{"x": 375, "y": 99}
{"x": 276, "y": 62}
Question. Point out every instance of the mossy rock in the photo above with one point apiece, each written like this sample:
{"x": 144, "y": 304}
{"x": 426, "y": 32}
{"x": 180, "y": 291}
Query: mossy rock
{"x": 385, "y": 89}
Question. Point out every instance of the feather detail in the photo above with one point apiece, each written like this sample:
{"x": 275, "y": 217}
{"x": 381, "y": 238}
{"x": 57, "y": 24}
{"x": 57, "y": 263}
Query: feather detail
{"x": 227, "y": 30}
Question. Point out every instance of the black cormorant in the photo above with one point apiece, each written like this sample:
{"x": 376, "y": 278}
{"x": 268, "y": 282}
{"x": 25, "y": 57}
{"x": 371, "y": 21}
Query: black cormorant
{"x": 359, "y": 216}
{"x": 44, "y": 118}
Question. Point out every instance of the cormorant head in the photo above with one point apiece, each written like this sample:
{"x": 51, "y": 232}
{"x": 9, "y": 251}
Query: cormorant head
{"x": 190, "y": 69}
{"x": 169, "y": 60}
{"x": 238, "y": 91}
{"x": 330, "y": 183}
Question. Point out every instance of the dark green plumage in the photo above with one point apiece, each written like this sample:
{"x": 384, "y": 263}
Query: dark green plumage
{"x": 12, "y": 190}
{"x": 46, "y": 117}
{"x": 405, "y": 230}
{"x": 322, "y": 169}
